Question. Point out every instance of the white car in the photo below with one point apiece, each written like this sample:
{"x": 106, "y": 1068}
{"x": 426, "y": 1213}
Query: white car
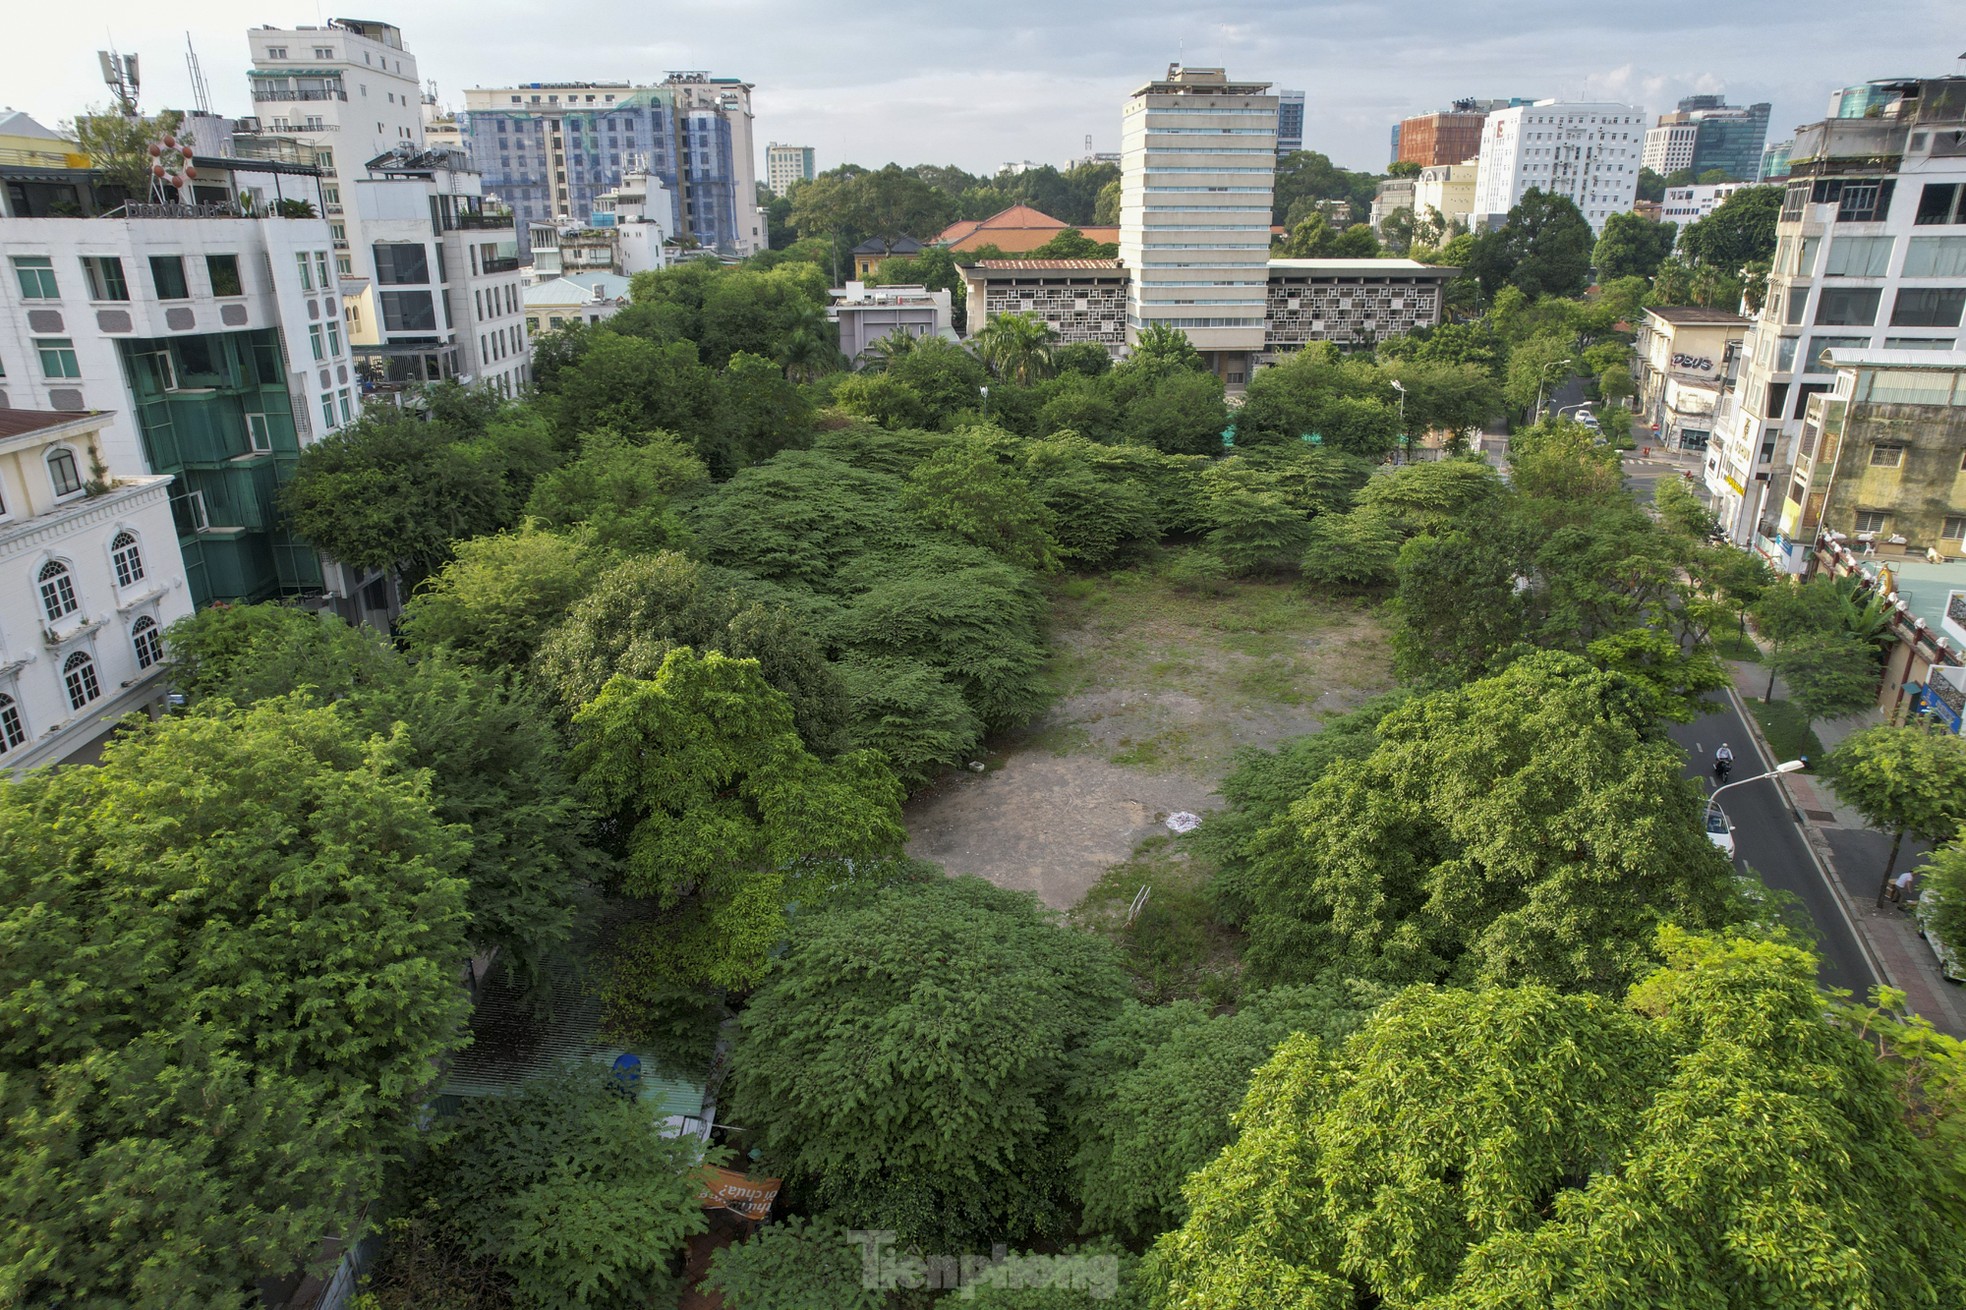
{"x": 1719, "y": 831}
{"x": 1949, "y": 963}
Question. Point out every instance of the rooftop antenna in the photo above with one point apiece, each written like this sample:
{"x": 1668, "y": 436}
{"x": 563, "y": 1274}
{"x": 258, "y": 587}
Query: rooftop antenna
{"x": 1088, "y": 145}
{"x": 119, "y": 74}
{"x": 200, "y": 93}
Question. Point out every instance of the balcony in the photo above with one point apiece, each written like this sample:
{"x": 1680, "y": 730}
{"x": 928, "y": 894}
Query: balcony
{"x": 484, "y": 219}
{"x": 275, "y": 95}
{"x": 500, "y": 264}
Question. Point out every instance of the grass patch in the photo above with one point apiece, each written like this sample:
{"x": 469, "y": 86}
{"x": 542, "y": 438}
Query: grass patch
{"x": 1787, "y": 730}
{"x": 1174, "y": 948}
{"x": 1731, "y": 644}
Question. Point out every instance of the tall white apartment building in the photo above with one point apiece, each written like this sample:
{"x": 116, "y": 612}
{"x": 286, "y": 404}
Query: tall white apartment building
{"x": 350, "y": 91}
{"x": 1870, "y": 254}
{"x": 1198, "y": 165}
{"x": 1669, "y": 147}
{"x": 785, "y": 165}
{"x": 90, "y": 577}
{"x": 1589, "y": 152}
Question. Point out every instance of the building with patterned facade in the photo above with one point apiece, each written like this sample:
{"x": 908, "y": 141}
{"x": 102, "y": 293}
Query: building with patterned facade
{"x": 1080, "y": 299}
{"x": 1587, "y": 152}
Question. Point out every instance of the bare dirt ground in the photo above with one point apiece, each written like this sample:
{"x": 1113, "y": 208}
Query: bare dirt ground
{"x": 1156, "y": 691}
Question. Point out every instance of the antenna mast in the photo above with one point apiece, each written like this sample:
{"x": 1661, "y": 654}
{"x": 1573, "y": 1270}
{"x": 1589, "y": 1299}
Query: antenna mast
{"x": 200, "y": 93}
{"x": 119, "y": 74}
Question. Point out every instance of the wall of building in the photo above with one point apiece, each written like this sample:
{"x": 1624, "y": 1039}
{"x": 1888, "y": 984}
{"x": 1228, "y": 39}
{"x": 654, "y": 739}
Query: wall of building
{"x": 1305, "y": 306}
{"x": 1589, "y": 152}
{"x": 1444, "y": 138}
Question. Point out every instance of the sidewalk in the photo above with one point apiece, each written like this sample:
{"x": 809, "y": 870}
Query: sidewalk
{"x": 1853, "y": 855}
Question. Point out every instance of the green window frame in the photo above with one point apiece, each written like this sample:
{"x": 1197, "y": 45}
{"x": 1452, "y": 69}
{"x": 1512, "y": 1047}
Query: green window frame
{"x": 57, "y": 357}
{"x": 36, "y": 274}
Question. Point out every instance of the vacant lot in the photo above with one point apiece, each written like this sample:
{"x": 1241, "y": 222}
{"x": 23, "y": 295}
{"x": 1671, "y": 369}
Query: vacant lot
{"x": 1156, "y": 690}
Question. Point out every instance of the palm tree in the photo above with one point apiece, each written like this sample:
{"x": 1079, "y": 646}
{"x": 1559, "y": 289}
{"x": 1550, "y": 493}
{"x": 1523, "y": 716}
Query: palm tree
{"x": 806, "y": 354}
{"x": 882, "y": 353}
{"x": 1017, "y": 347}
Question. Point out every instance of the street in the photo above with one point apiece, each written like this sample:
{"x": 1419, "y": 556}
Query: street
{"x": 1768, "y": 842}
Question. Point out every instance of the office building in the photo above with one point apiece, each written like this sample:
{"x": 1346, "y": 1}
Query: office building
{"x": 1775, "y": 161}
{"x": 1690, "y": 204}
{"x": 1680, "y": 360}
{"x": 1448, "y": 189}
{"x": 90, "y": 577}
{"x": 1198, "y": 166}
{"x": 1290, "y": 123}
{"x": 1588, "y": 152}
{"x": 625, "y": 234}
{"x": 204, "y": 330}
{"x": 550, "y": 150}
{"x": 1705, "y": 133}
{"x": 1870, "y": 255}
{"x": 1079, "y": 299}
{"x": 785, "y": 165}
{"x": 1868, "y": 99}
{"x": 1447, "y": 136}
{"x": 865, "y": 314}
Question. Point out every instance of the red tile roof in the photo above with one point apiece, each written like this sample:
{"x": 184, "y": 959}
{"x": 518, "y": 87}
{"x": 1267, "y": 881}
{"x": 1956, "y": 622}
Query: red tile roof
{"x": 19, "y": 422}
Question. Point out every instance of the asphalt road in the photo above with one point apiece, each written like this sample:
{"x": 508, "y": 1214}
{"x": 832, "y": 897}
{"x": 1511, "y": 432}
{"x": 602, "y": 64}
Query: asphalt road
{"x": 1768, "y": 842}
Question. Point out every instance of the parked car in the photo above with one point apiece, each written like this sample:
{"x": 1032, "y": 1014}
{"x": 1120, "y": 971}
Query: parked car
{"x": 1924, "y": 910}
{"x": 1719, "y": 830}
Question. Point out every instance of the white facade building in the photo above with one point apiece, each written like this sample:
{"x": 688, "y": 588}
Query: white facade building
{"x": 785, "y": 165}
{"x": 1198, "y": 165}
{"x": 1669, "y": 147}
{"x": 1690, "y": 204}
{"x": 865, "y": 314}
{"x": 1448, "y": 188}
{"x": 90, "y": 577}
{"x": 1588, "y": 152}
{"x": 1870, "y": 254}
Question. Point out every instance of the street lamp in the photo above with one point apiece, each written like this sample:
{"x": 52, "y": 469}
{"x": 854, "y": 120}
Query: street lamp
{"x": 1541, "y": 376}
{"x": 1787, "y": 766}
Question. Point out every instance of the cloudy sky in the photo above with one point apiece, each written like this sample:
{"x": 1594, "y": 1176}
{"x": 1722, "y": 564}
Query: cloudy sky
{"x": 977, "y": 84}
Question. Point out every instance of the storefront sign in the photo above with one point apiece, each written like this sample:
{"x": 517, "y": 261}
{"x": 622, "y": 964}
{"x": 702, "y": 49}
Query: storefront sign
{"x": 726, "y": 1189}
{"x": 1693, "y": 363}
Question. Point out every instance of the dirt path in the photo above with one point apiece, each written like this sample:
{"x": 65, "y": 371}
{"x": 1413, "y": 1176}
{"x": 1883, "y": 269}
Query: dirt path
{"x": 1156, "y": 692}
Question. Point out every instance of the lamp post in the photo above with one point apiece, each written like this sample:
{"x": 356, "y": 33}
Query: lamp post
{"x": 1540, "y": 378}
{"x": 1405, "y": 441}
{"x": 1787, "y": 766}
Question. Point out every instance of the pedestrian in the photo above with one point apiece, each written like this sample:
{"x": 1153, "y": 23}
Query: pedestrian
{"x": 1901, "y": 889}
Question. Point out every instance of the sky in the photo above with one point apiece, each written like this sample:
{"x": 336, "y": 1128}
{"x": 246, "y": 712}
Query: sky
{"x": 981, "y": 84}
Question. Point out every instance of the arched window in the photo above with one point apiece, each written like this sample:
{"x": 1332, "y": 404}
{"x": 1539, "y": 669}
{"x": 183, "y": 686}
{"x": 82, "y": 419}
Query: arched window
{"x": 61, "y": 468}
{"x": 57, "y": 590}
{"x": 12, "y": 731}
{"x": 148, "y": 641}
{"x": 128, "y": 559}
{"x": 79, "y": 672}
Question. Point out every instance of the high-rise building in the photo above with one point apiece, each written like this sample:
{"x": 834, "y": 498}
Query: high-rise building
{"x": 1775, "y": 161}
{"x": 1870, "y": 254}
{"x": 1290, "y": 122}
{"x": 1705, "y": 133}
{"x": 550, "y": 149}
{"x": 1588, "y": 152}
{"x": 785, "y": 165}
{"x": 1447, "y": 136}
{"x": 1198, "y": 167}
{"x": 1448, "y": 189}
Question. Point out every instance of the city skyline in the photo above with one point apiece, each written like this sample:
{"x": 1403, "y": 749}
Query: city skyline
{"x": 1034, "y": 83}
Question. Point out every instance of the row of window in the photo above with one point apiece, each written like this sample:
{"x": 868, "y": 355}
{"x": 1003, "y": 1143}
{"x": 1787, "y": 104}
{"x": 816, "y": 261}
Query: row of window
{"x": 105, "y": 279}
{"x": 80, "y": 681}
{"x": 1912, "y": 307}
{"x": 64, "y": 474}
{"x": 345, "y": 398}
{"x": 496, "y": 302}
{"x": 57, "y": 581}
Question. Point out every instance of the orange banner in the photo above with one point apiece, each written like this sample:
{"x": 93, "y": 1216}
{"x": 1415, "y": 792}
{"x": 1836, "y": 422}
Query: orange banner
{"x": 726, "y": 1189}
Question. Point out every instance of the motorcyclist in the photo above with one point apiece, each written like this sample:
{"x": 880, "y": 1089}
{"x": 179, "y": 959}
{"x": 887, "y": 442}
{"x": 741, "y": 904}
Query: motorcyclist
{"x": 1723, "y": 763}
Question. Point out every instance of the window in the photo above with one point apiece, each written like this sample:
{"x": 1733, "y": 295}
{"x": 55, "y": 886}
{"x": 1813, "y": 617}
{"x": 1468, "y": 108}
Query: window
{"x": 105, "y": 277}
{"x": 57, "y": 357}
{"x": 1935, "y": 257}
{"x": 1847, "y": 306}
{"x": 324, "y": 52}
{"x": 78, "y": 671}
{"x": 276, "y": 52}
{"x": 123, "y": 553}
{"x": 346, "y": 399}
{"x": 62, "y": 471}
{"x": 37, "y": 277}
{"x": 258, "y": 434}
{"x": 1870, "y": 520}
{"x": 1928, "y": 308}
{"x": 1941, "y": 202}
{"x": 1885, "y": 455}
{"x": 314, "y": 342}
{"x": 306, "y": 270}
{"x": 1778, "y": 396}
{"x": 1858, "y": 257}
{"x": 13, "y": 732}
{"x": 321, "y": 270}
{"x": 224, "y": 271}
{"x": 148, "y": 641}
{"x": 327, "y": 410}
{"x": 1955, "y": 527}
{"x": 1906, "y": 387}
{"x": 408, "y": 311}
{"x": 57, "y": 590}
{"x": 334, "y": 337}
{"x": 167, "y": 275}
{"x": 398, "y": 263}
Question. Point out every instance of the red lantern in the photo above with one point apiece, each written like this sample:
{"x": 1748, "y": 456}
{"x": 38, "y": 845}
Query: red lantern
{"x": 175, "y": 181}
{"x": 170, "y": 141}
{"x": 189, "y": 171}
{"x": 155, "y": 150}
{"x": 156, "y": 170}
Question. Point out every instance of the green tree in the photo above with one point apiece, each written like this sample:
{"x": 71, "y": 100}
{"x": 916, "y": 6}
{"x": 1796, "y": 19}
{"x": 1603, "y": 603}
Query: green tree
{"x": 883, "y": 398}
{"x": 1017, "y": 347}
{"x": 948, "y": 378}
{"x": 616, "y": 491}
{"x": 1359, "y": 549}
{"x": 120, "y": 145}
{"x": 1457, "y": 610}
{"x": 1679, "y": 677}
{"x": 236, "y": 942}
{"x": 760, "y": 411}
{"x": 723, "y": 815}
{"x": 1711, "y": 1142}
{"x": 1651, "y": 186}
{"x": 1632, "y": 245}
{"x": 1738, "y": 232}
{"x": 965, "y": 490}
{"x": 1828, "y": 675}
{"x": 1791, "y": 613}
{"x": 1432, "y": 497}
{"x": 1682, "y": 511}
{"x": 570, "y": 1190}
{"x": 1543, "y": 247}
{"x": 633, "y": 385}
{"x": 904, "y": 1061}
{"x": 793, "y": 1264}
{"x": 498, "y": 596}
{"x": 1535, "y": 367}
{"x": 1908, "y": 780}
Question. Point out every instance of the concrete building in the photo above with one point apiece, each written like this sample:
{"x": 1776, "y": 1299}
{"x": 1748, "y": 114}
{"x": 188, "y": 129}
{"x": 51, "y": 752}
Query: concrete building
{"x": 24, "y": 142}
{"x": 1290, "y": 123}
{"x": 1881, "y": 464}
{"x": 785, "y": 165}
{"x": 1448, "y": 188}
{"x": 865, "y": 314}
{"x": 1669, "y": 146}
{"x": 1588, "y": 152}
{"x": 1690, "y": 204}
{"x": 584, "y": 297}
{"x": 1680, "y": 361}
{"x": 211, "y": 342}
{"x": 1197, "y": 173}
{"x": 1870, "y": 255}
{"x": 1447, "y": 136}
{"x": 870, "y": 254}
{"x": 1393, "y": 193}
{"x": 90, "y": 577}
{"x": 1706, "y": 132}
{"x": 624, "y": 234}
{"x": 1080, "y": 299}
{"x": 1775, "y": 161}
{"x": 551, "y": 149}
{"x": 445, "y": 301}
